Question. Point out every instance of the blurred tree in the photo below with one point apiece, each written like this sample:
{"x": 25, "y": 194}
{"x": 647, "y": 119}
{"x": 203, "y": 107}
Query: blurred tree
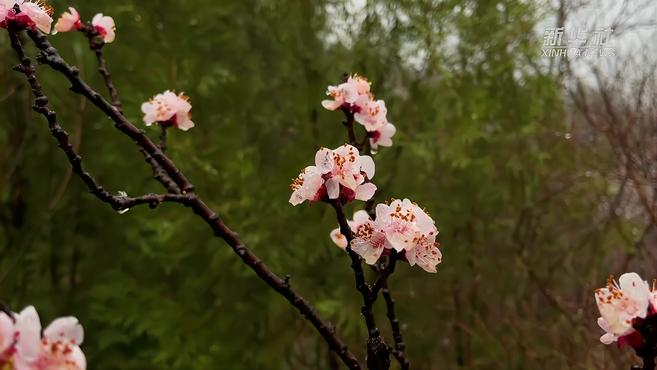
{"x": 481, "y": 143}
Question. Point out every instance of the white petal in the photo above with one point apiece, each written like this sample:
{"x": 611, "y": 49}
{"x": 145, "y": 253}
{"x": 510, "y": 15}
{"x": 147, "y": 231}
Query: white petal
{"x": 332, "y": 188}
{"x": 331, "y": 104}
{"x": 361, "y": 217}
{"x": 324, "y": 160}
{"x": 78, "y": 358}
{"x": 365, "y": 249}
{"x": 388, "y": 130}
{"x": 365, "y": 191}
{"x": 296, "y": 198}
{"x": 338, "y": 238}
{"x": 28, "y": 326}
{"x": 608, "y": 338}
{"x": 6, "y": 332}
{"x": 602, "y": 323}
{"x": 367, "y": 165}
{"x": 382, "y": 214}
{"x": 65, "y": 328}
{"x": 185, "y": 125}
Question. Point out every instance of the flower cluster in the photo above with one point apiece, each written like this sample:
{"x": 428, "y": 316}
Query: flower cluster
{"x": 354, "y": 97}
{"x": 100, "y": 24}
{"x": 23, "y": 346}
{"x": 30, "y": 14}
{"x": 623, "y": 305}
{"x": 337, "y": 174}
{"x": 168, "y": 109}
{"x": 401, "y": 225}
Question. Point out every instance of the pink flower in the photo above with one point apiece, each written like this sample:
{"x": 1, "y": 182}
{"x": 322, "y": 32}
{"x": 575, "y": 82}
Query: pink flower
{"x": 307, "y": 186}
{"x": 339, "y": 173}
{"x": 57, "y": 349}
{"x": 360, "y": 218}
{"x": 105, "y": 27}
{"x": 354, "y": 97}
{"x": 383, "y": 136}
{"x": 372, "y": 115}
{"x": 425, "y": 254}
{"x": 402, "y": 226}
{"x": 405, "y": 224}
{"x": 168, "y": 109}
{"x": 351, "y": 95}
{"x": 68, "y": 21}
{"x": 370, "y": 241}
{"x": 360, "y": 83}
{"x": 343, "y": 95}
{"x": 620, "y": 304}
{"x": 33, "y": 14}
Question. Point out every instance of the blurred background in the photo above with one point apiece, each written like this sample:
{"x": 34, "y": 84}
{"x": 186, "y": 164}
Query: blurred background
{"x": 540, "y": 172}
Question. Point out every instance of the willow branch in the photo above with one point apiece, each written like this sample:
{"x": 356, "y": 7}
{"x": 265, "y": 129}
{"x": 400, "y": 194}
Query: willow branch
{"x": 50, "y": 56}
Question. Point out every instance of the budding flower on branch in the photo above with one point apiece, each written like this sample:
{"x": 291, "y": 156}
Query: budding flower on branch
{"x": 168, "y": 109}
{"x": 105, "y": 27}
{"x": 402, "y": 226}
{"x": 24, "y": 347}
{"x": 623, "y": 305}
{"x": 32, "y": 14}
{"x": 340, "y": 173}
{"x": 68, "y": 21}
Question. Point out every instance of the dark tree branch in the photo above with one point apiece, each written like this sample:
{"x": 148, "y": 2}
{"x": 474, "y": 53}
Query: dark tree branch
{"x": 96, "y": 44}
{"x": 163, "y": 138}
{"x": 382, "y": 278}
{"x": 378, "y": 355}
{"x": 160, "y": 174}
{"x": 400, "y": 346}
{"x": 50, "y": 56}
{"x": 349, "y": 124}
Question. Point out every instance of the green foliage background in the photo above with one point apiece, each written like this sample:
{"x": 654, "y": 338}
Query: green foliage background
{"x": 480, "y": 144}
